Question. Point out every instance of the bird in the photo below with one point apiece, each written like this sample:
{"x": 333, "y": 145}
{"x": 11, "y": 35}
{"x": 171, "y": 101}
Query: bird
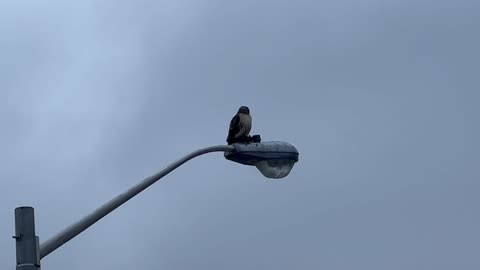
{"x": 240, "y": 126}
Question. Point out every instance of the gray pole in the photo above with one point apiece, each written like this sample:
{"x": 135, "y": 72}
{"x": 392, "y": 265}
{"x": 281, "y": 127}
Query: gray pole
{"x": 75, "y": 229}
{"x": 26, "y": 241}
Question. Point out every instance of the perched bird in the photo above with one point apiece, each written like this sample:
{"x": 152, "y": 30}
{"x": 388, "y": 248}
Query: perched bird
{"x": 240, "y": 126}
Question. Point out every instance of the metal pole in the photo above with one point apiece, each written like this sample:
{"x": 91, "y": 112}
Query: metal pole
{"x": 75, "y": 229}
{"x": 28, "y": 257}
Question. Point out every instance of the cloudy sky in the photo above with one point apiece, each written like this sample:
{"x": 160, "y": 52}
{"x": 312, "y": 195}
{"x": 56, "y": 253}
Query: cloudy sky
{"x": 380, "y": 97}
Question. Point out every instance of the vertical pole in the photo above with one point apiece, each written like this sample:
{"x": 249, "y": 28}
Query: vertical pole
{"x": 26, "y": 241}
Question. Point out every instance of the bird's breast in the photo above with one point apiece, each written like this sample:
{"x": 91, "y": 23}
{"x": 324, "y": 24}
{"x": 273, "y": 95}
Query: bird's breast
{"x": 246, "y": 122}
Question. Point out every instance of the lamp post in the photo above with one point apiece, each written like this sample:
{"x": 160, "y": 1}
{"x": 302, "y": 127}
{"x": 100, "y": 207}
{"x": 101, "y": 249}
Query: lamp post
{"x": 273, "y": 159}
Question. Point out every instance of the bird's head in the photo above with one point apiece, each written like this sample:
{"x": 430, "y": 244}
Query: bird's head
{"x": 244, "y": 109}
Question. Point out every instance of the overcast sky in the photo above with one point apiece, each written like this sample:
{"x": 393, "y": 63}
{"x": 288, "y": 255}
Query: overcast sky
{"x": 381, "y": 98}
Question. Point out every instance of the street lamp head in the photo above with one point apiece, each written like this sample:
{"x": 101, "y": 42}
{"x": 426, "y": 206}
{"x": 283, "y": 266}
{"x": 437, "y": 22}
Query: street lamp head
{"x": 273, "y": 159}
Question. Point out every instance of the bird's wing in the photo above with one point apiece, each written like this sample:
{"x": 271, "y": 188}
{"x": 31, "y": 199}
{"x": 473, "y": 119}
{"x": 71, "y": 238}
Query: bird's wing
{"x": 234, "y": 126}
{"x": 234, "y": 122}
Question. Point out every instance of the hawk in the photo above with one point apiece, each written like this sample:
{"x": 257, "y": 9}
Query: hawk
{"x": 240, "y": 126}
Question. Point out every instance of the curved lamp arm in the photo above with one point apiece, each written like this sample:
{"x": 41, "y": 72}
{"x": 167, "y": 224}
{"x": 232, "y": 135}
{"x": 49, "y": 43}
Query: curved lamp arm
{"x": 75, "y": 229}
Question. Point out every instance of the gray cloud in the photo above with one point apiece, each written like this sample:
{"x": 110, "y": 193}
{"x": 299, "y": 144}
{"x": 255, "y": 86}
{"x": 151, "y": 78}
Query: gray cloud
{"x": 379, "y": 97}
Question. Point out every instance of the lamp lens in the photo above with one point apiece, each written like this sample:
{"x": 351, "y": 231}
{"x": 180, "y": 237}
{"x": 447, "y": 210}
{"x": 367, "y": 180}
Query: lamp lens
{"x": 275, "y": 168}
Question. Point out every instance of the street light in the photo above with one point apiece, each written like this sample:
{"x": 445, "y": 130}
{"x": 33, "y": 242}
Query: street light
{"x": 273, "y": 159}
